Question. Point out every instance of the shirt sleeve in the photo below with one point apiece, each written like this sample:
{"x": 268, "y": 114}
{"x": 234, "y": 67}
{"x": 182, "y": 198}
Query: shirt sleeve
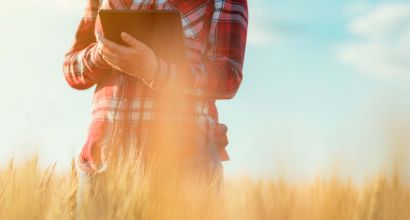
{"x": 220, "y": 74}
{"x": 83, "y": 65}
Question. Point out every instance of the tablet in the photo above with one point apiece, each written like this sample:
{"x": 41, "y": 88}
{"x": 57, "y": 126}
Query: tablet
{"x": 160, "y": 30}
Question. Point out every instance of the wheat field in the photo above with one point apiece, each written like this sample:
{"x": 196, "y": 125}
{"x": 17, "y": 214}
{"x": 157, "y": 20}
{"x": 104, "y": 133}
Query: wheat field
{"x": 29, "y": 192}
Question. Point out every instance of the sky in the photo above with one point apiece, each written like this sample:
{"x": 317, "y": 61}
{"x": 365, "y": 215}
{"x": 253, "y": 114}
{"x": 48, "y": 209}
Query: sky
{"x": 325, "y": 87}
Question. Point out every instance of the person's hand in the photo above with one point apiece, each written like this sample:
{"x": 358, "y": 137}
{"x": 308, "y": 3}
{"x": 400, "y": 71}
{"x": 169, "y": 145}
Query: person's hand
{"x": 137, "y": 60}
{"x": 221, "y": 136}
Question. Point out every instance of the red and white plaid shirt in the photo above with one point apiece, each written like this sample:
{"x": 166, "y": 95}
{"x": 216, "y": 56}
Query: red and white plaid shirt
{"x": 215, "y": 38}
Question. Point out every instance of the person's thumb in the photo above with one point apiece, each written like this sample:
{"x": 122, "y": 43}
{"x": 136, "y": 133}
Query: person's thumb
{"x": 131, "y": 41}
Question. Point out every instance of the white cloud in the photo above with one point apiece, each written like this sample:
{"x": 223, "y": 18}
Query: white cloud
{"x": 381, "y": 44}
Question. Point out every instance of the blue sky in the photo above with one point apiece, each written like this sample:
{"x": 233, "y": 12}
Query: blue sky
{"x": 323, "y": 84}
{"x": 312, "y": 106}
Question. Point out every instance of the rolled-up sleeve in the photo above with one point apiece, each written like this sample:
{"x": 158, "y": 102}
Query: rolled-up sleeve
{"x": 83, "y": 66}
{"x": 220, "y": 74}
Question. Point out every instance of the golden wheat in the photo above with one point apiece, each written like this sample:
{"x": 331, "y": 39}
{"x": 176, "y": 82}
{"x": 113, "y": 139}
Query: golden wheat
{"x": 27, "y": 192}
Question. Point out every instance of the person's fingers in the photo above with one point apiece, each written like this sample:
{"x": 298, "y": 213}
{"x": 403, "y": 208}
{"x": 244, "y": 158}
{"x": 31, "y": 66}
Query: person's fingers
{"x": 102, "y": 50}
{"x": 130, "y": 40}
{"x": 96, "y": 152}
{"x": 113, "y": 64}
{"x": 116, "y": 48}
{"x": 99, "y": 35}
{"x": 221, "y": 133}
{"x": 93, "y": 167}
{"x": 111, "y": 59}
{"x": 105, "y": 51}
{"x": 99, "y": 47}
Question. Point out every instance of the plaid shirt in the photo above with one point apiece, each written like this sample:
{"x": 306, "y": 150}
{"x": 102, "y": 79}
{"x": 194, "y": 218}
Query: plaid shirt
{"x": 215, "y": 37}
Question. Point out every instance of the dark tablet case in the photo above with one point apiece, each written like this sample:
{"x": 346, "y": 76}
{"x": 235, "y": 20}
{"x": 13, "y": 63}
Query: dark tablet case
{"x": 160, "y": 30}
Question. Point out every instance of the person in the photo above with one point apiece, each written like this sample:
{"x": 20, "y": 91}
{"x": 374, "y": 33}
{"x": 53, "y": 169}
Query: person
{"x": 131, "y": 82}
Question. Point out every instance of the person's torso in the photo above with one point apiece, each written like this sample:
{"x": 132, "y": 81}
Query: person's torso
{"x": 122, "y": 97}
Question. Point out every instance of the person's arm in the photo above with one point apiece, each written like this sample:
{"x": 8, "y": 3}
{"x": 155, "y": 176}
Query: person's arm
{"x": 220, "y": 74}
{"x": 83, "y": 65}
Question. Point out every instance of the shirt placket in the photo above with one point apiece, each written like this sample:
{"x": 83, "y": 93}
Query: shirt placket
{"x": 128, "y": 3}
{"x": 153, "y": 5}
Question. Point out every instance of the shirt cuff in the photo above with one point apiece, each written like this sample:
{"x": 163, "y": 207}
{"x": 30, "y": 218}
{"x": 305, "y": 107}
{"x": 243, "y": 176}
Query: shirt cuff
{"x": 96, "y": 58}
{"x": 91, "y": 61}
